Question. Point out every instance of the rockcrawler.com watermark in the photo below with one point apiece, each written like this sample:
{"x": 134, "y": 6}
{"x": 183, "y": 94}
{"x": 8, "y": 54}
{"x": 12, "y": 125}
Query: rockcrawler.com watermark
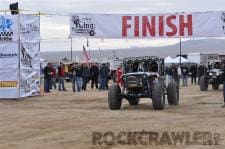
{"x": 156, "y": 138}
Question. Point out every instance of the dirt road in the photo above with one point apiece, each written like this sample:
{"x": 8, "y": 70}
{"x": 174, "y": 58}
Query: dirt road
{"x": 67, "y": 120}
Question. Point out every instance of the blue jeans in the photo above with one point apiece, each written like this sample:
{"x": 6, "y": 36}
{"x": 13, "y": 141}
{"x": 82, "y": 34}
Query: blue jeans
{"x": 53, "y": 83}
{"x": 61, "y": 84}
{"x": 170, "y": 78}
{"x": 74, "y": 84}
{"x": 185, "y": 80}
{"x": 47, "y": 85}
{"x": 79, "y": 83}
{"x": 102, "y": 83}
{"x": 224, "y": 91}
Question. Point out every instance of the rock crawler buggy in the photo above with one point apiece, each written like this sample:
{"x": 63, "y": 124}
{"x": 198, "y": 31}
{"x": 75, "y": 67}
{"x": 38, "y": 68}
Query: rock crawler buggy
{"x": 143, "y": 77}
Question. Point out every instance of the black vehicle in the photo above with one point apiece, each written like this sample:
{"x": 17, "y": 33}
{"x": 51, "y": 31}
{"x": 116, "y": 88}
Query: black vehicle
{"x": 213, "y": 77}
{"x": 143, "y": 77}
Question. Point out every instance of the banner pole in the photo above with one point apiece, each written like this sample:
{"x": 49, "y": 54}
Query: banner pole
{"x": 71, "y": 48}
{"x": 180, "y": 51}
{"x": 40, "y": 80}
{"x": 19, "y": 52}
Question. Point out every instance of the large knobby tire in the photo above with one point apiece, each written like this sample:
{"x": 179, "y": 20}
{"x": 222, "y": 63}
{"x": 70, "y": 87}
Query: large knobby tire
{"x": 114, "y": 97}
{"x": 133, "y": 101}
{"x": 158, "y": 97}
{"x": 215, "y": 86}
{"x": 203, "y": 83}
{"x": 173, "y": 93}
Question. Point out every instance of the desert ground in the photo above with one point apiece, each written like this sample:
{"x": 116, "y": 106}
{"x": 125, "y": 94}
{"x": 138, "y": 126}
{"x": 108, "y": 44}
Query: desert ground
{"x": 67, "y": 120}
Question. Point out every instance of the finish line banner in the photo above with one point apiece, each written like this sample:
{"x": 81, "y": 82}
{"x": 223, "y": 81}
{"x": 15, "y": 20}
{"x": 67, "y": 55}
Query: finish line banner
{"x": 205, "y": 24}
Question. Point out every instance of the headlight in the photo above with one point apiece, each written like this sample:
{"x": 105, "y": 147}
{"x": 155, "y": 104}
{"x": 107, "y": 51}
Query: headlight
{"x": 210, "y": 73}
{"x": 140, "y": 82}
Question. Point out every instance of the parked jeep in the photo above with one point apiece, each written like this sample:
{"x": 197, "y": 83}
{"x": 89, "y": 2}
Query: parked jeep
{"x": 143, "y": 77}
{"x": 213, "y": 77}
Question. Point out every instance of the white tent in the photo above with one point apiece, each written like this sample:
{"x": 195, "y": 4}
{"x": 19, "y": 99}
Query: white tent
{"x": 177, "y": 60}
{"x": 168, "y": 60}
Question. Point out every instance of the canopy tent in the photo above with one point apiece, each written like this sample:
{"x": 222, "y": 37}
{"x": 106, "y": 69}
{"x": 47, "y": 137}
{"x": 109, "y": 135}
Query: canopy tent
{"x": 177, "y": 60}
{"x": 168, "y": 60}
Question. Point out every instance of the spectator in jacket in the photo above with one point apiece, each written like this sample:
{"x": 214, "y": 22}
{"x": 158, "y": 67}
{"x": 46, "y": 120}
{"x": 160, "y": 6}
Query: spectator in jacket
{"x": 78, "y": 77}
{"x": 184, "y": 72}
{"x": 47, "y": 78}
{"x": 94, "y": 72}
{"x": 119, "y": 74}
{"x": 194, "y": 71}
{"x": 54, "y": 75}
{"x": 169, "y": 73}
{"x": 109, "y": 76}
{"x": 61, "y": 75}
{"x": 85, "y": 76}
{"x": 73, "y": 69}
{"x": 175, "y": 75}
{"x": 103, "y": 74}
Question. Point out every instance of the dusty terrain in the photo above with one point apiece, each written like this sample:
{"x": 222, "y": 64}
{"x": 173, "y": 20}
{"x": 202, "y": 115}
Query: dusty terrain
{"x": 66, "y": 120}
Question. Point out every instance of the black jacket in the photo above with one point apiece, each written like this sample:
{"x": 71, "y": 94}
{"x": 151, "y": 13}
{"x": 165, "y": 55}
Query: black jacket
{"x": 201, "y": 70}
{"x": 78, "y": 71}
{"x": 194, "y": 70}
{"x": 104, "y": 71}
{"x": 85, "y": 72}
{"x": 223, "y": 75}
{"x": 94, "y": 71}
{"x": 184, "y": 70}
{"x": 47, "y": 72}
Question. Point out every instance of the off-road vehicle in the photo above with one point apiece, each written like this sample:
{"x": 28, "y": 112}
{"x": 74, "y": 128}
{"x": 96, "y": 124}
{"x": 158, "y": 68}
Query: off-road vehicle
{"x": 213, "y": 77}
{"x": 143, "y": 77}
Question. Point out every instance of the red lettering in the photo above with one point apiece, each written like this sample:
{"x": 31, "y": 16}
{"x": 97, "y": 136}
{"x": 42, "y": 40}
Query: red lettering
{"x": 125, "y": 26}
{"x": 136, "y": 26}
{"x": 171, "y": 25}
{"x": 147, "y": 26}
{"x": 187, "y": 25}
{"x": 161, "y": 26}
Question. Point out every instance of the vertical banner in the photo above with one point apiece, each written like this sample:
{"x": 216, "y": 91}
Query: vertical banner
{"x": 9, "y": 57}
{"x": 29, "y": 55}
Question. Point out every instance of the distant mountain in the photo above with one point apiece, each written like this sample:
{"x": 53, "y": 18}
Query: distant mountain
{"x": 191, "y": 46}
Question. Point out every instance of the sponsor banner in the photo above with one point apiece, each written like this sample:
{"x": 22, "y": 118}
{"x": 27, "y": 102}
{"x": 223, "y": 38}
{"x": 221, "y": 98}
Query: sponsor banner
{"x": 9, "y": 83}
{"x": 26, "y": 83}
{"x": 30, "y": 55}
{"x": 29, "y": 28}
{"x": 9, "y": 57}
{"x": 205, "y": 24}
{"x": 29, "y": 82}
{"x": 8, "y": 28}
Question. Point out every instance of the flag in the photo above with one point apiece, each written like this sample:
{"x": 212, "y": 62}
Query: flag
{"x": 86, "y": 54}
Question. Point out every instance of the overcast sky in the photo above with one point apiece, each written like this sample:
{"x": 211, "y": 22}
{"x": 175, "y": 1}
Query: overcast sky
{"x": 55, "y": 28}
